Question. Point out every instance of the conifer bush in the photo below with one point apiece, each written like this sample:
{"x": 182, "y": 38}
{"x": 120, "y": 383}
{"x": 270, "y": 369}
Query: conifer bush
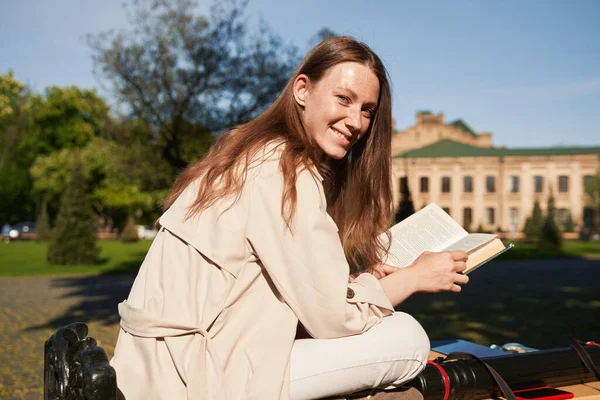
{"x": 130, "y": 232}
{"x": 551, "y": 236}
{"x": 74, "y": 238}
{"x": 569, "y": 225}
{"x": 533, "y": 224}
{"x": 406, "y": 208}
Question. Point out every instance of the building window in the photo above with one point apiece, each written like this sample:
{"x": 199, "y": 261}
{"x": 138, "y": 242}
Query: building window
{"x": 514, "y": 184}
{"x": 446, "y": 209}
{"x": 424, "y": 184}
{"x": 490, "y": 184}
{"x": 446, "y": 184}
{"x": 563, "y": 184}
{"x": 538, "y": 184}
{"x": 467, "y": 218}
{"x": 513, "y": 217}
{"x": 489, "y": 216}
{"x": 468, "y": 184}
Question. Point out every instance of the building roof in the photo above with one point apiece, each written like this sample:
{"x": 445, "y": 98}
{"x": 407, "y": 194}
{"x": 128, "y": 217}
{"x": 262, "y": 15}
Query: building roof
{"x": 450, "y": 148}
{"x": 462, "y": 125}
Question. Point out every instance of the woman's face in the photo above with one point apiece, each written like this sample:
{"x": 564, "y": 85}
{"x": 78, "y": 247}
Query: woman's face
{"x": 338, "y": 109}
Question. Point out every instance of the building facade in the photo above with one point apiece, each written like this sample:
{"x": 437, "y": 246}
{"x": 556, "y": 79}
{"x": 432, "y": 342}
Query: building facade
{"x": 490, "y": 187}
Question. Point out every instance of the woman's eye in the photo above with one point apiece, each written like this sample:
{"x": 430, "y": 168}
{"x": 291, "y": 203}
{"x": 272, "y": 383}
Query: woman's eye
{"x": 343, "y": 99}
{"x": 369, "y": 113}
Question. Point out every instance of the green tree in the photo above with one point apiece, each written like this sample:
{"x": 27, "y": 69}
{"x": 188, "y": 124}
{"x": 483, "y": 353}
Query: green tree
{"x": 569, "y": 225}
{"x": 406, "y": 208}
{"x": 190, "y": 76}
{"x": 67, "y": 117}
{"x": 63, "y": 118}
{"x": 533, "y": 224}
{"x": 592, "y": 189}
{"x": 119, "y": 179}
{"x": 551, "y": 236}
{"x": 74, "y": 239}
{"x": 17, "y": 201}
{"x": 42, "y": 225}
{"x": 129, "y": 234}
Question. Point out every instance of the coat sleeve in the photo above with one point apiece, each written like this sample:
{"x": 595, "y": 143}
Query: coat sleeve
{"x": 307, "y": 264}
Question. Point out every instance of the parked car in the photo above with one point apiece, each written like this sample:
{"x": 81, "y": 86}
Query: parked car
{"x": 22, "y": 230}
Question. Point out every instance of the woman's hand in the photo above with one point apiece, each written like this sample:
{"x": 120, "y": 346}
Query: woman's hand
{"x": 438, "y": 272}
{"x": 430, "y": 272}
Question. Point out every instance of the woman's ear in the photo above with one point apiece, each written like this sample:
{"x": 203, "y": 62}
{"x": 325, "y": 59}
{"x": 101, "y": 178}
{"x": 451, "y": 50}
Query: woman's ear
{"x": 300, "y": 89}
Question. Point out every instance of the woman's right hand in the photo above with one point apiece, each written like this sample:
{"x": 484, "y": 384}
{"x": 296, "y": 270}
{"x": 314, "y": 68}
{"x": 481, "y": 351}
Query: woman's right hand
{"x": 436, "y": 272}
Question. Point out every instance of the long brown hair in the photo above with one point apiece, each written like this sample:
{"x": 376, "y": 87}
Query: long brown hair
{"x": 357, "y": 187}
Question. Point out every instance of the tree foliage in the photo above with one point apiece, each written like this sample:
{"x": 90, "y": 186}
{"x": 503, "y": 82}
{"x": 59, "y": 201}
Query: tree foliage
{"x": 119, "y": 179}
{"x": 551, "y": 236}
{"x": 406, "y": 208}
{"x": 592, "y": 189}
{"x": 129, "y": 234}
{"x": 17, "y": 202}
{"x": 189, "y": 76}
{"x": 533, "y": 224}
{"x": 569, "y": 225}
{"x": 43, "y": 231}
{"x": 74, "y": 239}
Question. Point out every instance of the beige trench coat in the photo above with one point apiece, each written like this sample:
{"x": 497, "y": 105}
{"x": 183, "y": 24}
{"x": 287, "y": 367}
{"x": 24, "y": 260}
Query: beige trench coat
{"x": 213, "y": 311}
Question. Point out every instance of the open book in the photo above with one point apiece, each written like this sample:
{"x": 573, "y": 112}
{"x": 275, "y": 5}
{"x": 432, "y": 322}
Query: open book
{"x": 432, "y": 229}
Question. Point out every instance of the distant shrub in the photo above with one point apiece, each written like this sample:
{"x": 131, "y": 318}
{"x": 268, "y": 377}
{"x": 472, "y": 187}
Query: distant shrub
{"x": 74, "y": 238}
{"x": 129, "y": 234}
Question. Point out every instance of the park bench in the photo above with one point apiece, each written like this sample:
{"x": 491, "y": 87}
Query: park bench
{"x": 76, "y": 368}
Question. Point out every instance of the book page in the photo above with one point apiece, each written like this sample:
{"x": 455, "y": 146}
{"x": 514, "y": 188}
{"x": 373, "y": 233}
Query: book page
{"x": 429, "y": 229}
{"x": 471, "y": 242}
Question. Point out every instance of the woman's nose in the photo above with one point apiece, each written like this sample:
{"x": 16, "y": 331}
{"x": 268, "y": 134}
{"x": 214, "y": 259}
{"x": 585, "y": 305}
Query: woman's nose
{"x": 354, "y": 120}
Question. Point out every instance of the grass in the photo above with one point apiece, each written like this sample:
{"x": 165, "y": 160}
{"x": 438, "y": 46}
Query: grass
{"x": 28, "y": 258}
{"x": 572, "y": 248}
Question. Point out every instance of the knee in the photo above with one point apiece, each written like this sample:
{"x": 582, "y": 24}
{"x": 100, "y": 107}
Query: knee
{"x": 405, "y": 338}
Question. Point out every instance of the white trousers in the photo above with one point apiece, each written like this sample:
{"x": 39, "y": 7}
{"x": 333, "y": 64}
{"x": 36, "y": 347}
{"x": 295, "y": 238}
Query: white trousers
{"x": 385, "y": 356}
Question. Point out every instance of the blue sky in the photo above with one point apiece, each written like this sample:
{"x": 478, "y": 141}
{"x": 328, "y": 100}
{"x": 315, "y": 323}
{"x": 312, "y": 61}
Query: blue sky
{"x": 527, "y": 71}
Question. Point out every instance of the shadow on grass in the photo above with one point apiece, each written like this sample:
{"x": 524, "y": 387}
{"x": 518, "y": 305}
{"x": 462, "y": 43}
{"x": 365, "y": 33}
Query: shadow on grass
{"x": 130, "y": 266}
{"x": 539, "y": 303}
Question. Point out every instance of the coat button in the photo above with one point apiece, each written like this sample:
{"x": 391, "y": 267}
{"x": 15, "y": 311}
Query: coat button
{"x": 350, "y": 293}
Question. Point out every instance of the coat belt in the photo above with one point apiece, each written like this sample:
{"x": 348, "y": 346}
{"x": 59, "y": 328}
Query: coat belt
{"x": 138, "y": 322}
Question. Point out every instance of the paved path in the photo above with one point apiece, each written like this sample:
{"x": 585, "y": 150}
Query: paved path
{"x": 32, "y": 308}
{"x": 537, "y": 302}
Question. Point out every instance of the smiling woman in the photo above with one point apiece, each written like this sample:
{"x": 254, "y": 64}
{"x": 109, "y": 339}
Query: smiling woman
{"x": 337, "y": 110}
{"x": 246, "y": 290}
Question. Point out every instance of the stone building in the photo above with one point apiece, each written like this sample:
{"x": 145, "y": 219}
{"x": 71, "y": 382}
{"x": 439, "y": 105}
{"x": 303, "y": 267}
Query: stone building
{"x": 492, "y": 187}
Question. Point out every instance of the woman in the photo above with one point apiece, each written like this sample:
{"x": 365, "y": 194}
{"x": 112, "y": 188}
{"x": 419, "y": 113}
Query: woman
{"x": 259, "y": 237}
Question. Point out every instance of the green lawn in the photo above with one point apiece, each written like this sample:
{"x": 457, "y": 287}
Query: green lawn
{"x": 571, "y": 248}
{"x": 29, "y": 258}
